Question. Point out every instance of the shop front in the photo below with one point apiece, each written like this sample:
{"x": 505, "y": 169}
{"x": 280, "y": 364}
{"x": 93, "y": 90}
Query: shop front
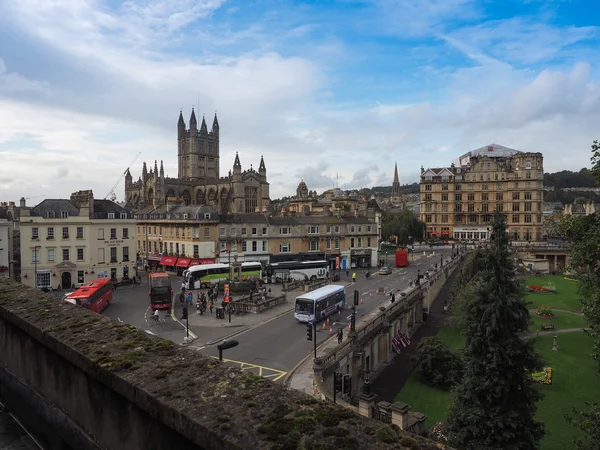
{"x": 283, "y": 257}
{"x": 471, "y": 233}
{"x": 152, "y": 262}
{"x": 168, "y": 263}
{"x": 360, "y": 258}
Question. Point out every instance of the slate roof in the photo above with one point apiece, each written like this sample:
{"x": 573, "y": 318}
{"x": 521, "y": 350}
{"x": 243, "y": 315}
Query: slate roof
{"x": 3, "y": 213}
{"x": 103, "y": 207}
{"x": 244, "y": 218}
{"x": 54, "y": 205}
{"x": 499, "y": 151}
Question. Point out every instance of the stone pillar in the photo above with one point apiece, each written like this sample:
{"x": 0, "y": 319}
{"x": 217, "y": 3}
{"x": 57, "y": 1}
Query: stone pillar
{"x": 385, "y": 407}
{"x": 356, "y": 364}
{"x": 365, "y": 404}
{"x": 400, "y": 414}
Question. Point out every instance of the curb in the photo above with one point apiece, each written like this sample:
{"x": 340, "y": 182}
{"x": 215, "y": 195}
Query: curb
{"x": 194, "y": 337}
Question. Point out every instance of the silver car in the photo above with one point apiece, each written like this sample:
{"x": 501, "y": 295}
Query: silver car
{"x": 385, "y": 270}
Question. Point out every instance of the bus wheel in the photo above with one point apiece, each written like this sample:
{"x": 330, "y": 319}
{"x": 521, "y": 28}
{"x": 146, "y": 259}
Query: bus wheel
{"x": 313, "y": 278}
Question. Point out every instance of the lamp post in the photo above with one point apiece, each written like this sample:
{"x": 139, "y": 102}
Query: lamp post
{"x": 35, "y": 260}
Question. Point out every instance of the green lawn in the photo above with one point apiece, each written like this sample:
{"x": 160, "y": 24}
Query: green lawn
{"x": 565, "y": 297}
{"x": 573, "y": 382}
{"x": 563, "y": 320}
{"x": 450, "y": 335}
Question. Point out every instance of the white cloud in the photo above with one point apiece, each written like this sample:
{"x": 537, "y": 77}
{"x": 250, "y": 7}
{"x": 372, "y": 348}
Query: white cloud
{"x": 119, "y": 80}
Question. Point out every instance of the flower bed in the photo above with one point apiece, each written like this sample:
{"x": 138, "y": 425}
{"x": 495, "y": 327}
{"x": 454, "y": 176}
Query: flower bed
{"x": 543, "y": 377}
{"x": 545, "y": 312}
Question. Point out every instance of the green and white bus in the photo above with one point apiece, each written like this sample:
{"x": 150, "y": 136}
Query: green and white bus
{"x": 205, "y": 275}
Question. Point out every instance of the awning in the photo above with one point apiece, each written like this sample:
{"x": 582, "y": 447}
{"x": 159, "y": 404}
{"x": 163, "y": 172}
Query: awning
{"x": 154, "y": 258}
{"x": 168, "y": 261}
{"x": 447, "y": 233}
{"x": 194, "y": 262}
{"x": 183, "y": 262}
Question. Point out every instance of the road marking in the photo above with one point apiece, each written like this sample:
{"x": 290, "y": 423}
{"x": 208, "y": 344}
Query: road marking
{"x": 265, "y": 372}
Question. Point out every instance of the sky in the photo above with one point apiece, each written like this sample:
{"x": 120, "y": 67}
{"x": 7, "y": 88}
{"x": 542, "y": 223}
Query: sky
{"x": 331, "y": 92}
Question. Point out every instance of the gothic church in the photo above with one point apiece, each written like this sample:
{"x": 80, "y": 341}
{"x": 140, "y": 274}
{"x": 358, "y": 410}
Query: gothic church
{"x": 198, "y": 181}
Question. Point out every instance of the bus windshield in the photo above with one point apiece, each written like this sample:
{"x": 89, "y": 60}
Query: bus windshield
{"x": 305, "y": 306}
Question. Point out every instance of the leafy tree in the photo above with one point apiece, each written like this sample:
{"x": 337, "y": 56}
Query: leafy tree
{"x": 581, "y": 200}
{"x": 584, "y": 233}
{"x": 405, "y": 225}
{"x": 437, "y": 364}
{"x": 494, "y": 405}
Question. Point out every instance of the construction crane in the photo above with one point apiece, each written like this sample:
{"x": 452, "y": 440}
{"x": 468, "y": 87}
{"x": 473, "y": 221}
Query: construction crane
{"x": 111, "y": 194}
{"x": 35, "y": 196}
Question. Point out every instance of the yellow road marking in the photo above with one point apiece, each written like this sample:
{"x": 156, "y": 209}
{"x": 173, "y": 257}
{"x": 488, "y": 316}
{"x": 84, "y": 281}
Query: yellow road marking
{"x": 265, "y": 372}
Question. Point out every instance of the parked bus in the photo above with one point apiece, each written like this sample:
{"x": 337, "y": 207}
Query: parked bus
{"x": 95, "y": 295}
{"x": 296, "y": 271}
{"x": 205, "y": 275}
{"x": 160, "y": 292}
{"x": 316, "y": 305}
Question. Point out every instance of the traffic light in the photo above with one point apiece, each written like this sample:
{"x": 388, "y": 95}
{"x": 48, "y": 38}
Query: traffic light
{"x": 309, "y": 331}
{"x": 338, "y": 381}
{"x": 347, "y": 384}
{"x": 185, "y": 314}
{"x": 356, "y": 297}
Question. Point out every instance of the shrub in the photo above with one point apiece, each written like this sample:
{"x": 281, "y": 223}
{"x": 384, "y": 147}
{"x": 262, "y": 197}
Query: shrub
{"x": 437, "y": 364}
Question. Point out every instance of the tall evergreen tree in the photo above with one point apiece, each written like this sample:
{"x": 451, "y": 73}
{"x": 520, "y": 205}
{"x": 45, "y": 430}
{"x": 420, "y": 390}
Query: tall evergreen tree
{"x": 495, "y": 403}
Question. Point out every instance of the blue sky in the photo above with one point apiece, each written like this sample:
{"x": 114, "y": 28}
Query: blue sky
{"x": 325, "y": 90}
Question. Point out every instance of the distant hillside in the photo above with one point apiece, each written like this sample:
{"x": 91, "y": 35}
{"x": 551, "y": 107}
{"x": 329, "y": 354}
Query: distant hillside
{"x": 568, "y": 179}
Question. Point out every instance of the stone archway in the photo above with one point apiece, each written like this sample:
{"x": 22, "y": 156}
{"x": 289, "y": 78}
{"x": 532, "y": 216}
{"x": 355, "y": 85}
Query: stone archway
{"x": 212, "y": 196}
{"x": 171, "y": 194}
{"x": 65, "y": 280}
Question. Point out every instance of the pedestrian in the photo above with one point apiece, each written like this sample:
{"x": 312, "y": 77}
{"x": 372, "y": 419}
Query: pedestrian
{"x": 156, "y": 315}
{"x": 340, "y": 336}
{"x": 181, "y": 297}
{"x": 347, "y": 273}
{"x": 393, "y": 298}
{"x": 211, "y": 306}
{"x": 146, "y": 268}
{"x": 354, "y": 277}
{"x": 190, "y": 298}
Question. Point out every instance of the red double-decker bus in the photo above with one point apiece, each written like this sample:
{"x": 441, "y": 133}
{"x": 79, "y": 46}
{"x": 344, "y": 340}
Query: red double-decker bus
{"x": 95, "y": 295}
{"x": 160, "y": 292}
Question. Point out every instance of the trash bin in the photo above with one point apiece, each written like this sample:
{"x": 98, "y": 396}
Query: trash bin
{"x": 220, "y": 313}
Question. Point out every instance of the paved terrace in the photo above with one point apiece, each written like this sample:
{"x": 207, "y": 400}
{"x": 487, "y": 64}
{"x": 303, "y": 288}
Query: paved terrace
{"x": 82, "y": 371}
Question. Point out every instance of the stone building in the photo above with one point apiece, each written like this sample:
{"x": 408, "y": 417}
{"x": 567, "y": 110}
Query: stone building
{"x": 68, "y": 242}
{"x": 199, "y": 181}
{"x": 459, "y": 201}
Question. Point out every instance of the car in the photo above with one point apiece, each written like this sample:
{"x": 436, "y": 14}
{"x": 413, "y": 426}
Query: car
{"x": 385, "y": 270}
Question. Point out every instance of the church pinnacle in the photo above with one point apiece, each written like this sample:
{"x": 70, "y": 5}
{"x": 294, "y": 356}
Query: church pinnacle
{"x": 237, "y": 163}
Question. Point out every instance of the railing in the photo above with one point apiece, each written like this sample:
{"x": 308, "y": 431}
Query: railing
{"x": 381, "y": 415}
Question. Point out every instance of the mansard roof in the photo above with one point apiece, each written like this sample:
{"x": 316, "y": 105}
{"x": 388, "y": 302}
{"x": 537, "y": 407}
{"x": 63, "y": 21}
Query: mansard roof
{"x": 104, "y": 207}
{"x": 253, "y": 218}
{"x": 54, "y": 205}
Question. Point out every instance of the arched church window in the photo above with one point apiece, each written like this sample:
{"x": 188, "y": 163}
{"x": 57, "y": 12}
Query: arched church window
{"x": 171, "y": 194}
{"x": 150, "y": 195}
{"x": 251, "y": 197}
{"x": 187, "y": 198}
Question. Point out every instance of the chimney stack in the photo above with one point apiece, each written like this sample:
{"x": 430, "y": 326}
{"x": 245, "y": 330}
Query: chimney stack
{"x": 22, "y": 202}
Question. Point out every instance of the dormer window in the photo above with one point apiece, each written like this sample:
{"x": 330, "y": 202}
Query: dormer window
{"x": 64, "y": 214}
{"x": 111, "y": 215}
{"x": 123, "y": 215}
{"x": 206, "y": 216}
{"x": 51, "y": 214}
{"x": 185, "y": 216}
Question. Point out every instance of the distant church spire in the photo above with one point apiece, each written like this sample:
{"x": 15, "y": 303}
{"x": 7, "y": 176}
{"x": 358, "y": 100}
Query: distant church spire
{"x": 262, "y": 167}
{"x": 193, "y": 122}
{"x": 237, "y": 163}
{"x": 396, "y": 183}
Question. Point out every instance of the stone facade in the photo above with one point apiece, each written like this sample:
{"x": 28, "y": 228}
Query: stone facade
{"x": 199, "y": 182}
{"x": 459, "y": 201}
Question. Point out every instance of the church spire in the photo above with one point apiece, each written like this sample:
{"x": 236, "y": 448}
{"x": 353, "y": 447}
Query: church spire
{"x": 162, "y": 170}
{"x": 396, "y": 183}
{"x": 203, "y": 127}
{"x": 262, "y": 168}
{"x": 181, "y": 121}
{"x": 237, "y": 163}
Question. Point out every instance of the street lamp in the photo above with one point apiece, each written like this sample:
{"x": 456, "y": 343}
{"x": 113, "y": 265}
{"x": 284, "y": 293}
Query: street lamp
{"x": 35, "y": 260}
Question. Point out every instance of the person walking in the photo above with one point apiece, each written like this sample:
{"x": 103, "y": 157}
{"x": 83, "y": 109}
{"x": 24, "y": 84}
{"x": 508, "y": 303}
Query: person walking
{"x": 190, "y": 299}
{"x": 354, "y": 277}
{"x": 156, "y": 315}
{"x": 340, "y": 336}
{"x": 393, "y": 299}
{"x": 211, "y": 306}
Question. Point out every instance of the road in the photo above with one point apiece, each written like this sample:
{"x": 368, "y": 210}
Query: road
{"x": 130, "y": 305}
{"x": 281, "y": 343}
